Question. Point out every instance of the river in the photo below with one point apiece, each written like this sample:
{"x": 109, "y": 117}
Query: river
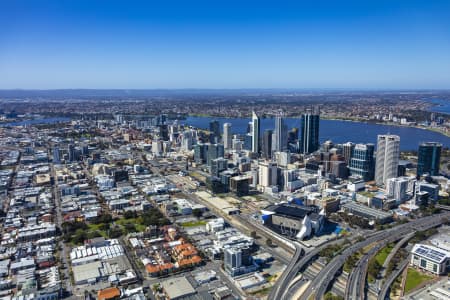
{"x": 337, "y": 131}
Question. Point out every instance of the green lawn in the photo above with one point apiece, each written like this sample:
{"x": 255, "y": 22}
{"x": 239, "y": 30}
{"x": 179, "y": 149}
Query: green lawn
{"x": 95, "y": 227}
{"x": 415, "y": 278}
{"x": 136, "y": 221}
{"x": 383, "y": 254}
{"x": 193, "y": 223}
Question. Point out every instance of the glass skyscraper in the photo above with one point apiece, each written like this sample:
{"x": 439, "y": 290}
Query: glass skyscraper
{"x": 429, "y": 158}
{"x": 362, "y": 162}
{"x": 309, "y": 133}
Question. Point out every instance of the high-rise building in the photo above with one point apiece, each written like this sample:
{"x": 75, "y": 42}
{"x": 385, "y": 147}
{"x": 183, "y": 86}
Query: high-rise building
{"x": 214, "y": 129}
{"x": 280, "y": 142}
{"x": 71, "y": 152}
{"x": 267, "y": 144}
{"x": 309, "y": 133}
{"x": 268, "y": 174}
{"x": 362, "y": 162}
{"x": 347, "y": 150}
{"x": 429, "y": 158}
{"x": 397, "y": 188}
{"x": 227, "y": 137}
{"x": 327, "y": 146}
{"x": 255, "y": 133}
{"x": 56, "y": 155}
{"x": 214, "y": 151}
{"x": 201, "y": 153}
{"x": 387, "y": 158}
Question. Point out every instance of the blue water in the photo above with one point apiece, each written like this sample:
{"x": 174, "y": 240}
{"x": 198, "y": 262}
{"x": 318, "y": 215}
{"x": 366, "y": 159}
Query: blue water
{"x": 442, "y": 105}
{"x": 337, "y": 131}
{"x": 36, "y": 121}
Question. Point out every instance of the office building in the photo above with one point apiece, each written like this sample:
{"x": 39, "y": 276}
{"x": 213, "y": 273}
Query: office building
{"x": 280, "y": 134}
{"x": 267, "y": 174}
{"x": 201, "y": 153}
{"x": 347, "y": 150}
{"x": 214, "y": 129}
{"x": 255, "y": 132}
{"x": 267, "y": 144}
{"x": 227, "y": 137}
{"x": 429, "y": 159}
{"x": 309, "y": 133}
{"x": 71, "y": 152}
{"x": 387, "y": 158}
{"x": 238, "y": 261}
{"x": 431, "y": 189}
{"x": 56, "y": 155}
{"x": 218, "y": 165}
{"x": 362, "y": 162}
{"x": 431, "y": 259}
{"x": 397, "y": 189}
{"x": 214, "y": 151}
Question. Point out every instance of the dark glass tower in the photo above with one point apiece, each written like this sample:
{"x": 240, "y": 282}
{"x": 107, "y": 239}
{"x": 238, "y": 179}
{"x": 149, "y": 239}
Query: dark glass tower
{"x": 267, "y": 144}
{"x": 429, "y": 158}
{"x": 309, "y": 133}
{"x": 214, "y": 128}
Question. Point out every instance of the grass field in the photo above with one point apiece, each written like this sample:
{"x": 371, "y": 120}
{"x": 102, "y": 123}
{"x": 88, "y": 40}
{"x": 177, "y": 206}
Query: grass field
{"x": 136, "y": 221}
{"x": 193, "y": 223}
{"x": 415, "y": 278}
{"x": 383, "y": 254}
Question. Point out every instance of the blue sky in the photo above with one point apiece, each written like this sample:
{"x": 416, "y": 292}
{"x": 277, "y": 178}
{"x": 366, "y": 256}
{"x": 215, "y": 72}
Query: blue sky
{"x": 224, "y": 44}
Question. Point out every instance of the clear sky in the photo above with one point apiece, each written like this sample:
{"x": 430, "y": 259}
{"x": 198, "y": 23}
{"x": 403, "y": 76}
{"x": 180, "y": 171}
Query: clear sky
{"x": 224, "y": 44}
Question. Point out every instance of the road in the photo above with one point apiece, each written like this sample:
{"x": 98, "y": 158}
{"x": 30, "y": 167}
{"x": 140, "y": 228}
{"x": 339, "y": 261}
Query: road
{"x": 319, "y": 285}
{"x": 64, "y": 254}
{"x": 387, "y": 284}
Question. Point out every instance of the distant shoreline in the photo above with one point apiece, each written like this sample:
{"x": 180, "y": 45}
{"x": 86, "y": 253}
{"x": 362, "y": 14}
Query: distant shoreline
{"x": 336, "y": 119}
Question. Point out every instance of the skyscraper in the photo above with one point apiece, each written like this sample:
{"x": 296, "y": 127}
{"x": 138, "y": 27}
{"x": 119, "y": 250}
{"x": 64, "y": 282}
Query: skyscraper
{"x": 71, "y": 152}
{"x": 214, "y": 128}
{"x": 255, "y": 133}
{"x": 309, "y": 133}
{"x": 56, "y": 155}
{"x": 347, "y": 150}
{"x": 227, "y": 138}
{"x": 280, "y": 134}
{"x": 362, "y": 161}
{"x": 267, "y": 144}
{"x": 388, "y": 152}
{"x": 429, "y": 158}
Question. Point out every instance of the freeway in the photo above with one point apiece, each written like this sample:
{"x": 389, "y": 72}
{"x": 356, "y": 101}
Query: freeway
{"x": 280, "y": 286}
{"x": 290, "y": 273}
{"x": 320, "y": 284}
{"x": 356, "y": 282}
{"x": 387, "y": 284}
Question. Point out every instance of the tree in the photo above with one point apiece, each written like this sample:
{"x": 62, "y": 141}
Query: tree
{"x": 197, "y": 212}
{"x": 129, "y": 214}
{"x": 269, "y": 242}
{"x": 253, "y": 235}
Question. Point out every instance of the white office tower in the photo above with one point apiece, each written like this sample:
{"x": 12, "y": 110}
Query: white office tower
{"x": 267, "y": 174}
{"x": 255, "y": 133}
{"x": 227, "y": 138}
{"x": 186, "y": 140}
{"x": 388, "y": 153}
{"x": 397, "y": 188}
{"x": 237, "y": 143}
{"x": 280, "y": 134}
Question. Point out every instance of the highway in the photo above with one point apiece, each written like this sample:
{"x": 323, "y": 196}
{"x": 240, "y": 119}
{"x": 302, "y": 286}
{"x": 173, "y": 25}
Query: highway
{"x": 319, "y": 285}
{"x": 387, "y": 284}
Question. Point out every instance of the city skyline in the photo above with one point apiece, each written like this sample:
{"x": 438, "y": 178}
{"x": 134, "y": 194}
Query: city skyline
{"x": 370, "y": 45}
